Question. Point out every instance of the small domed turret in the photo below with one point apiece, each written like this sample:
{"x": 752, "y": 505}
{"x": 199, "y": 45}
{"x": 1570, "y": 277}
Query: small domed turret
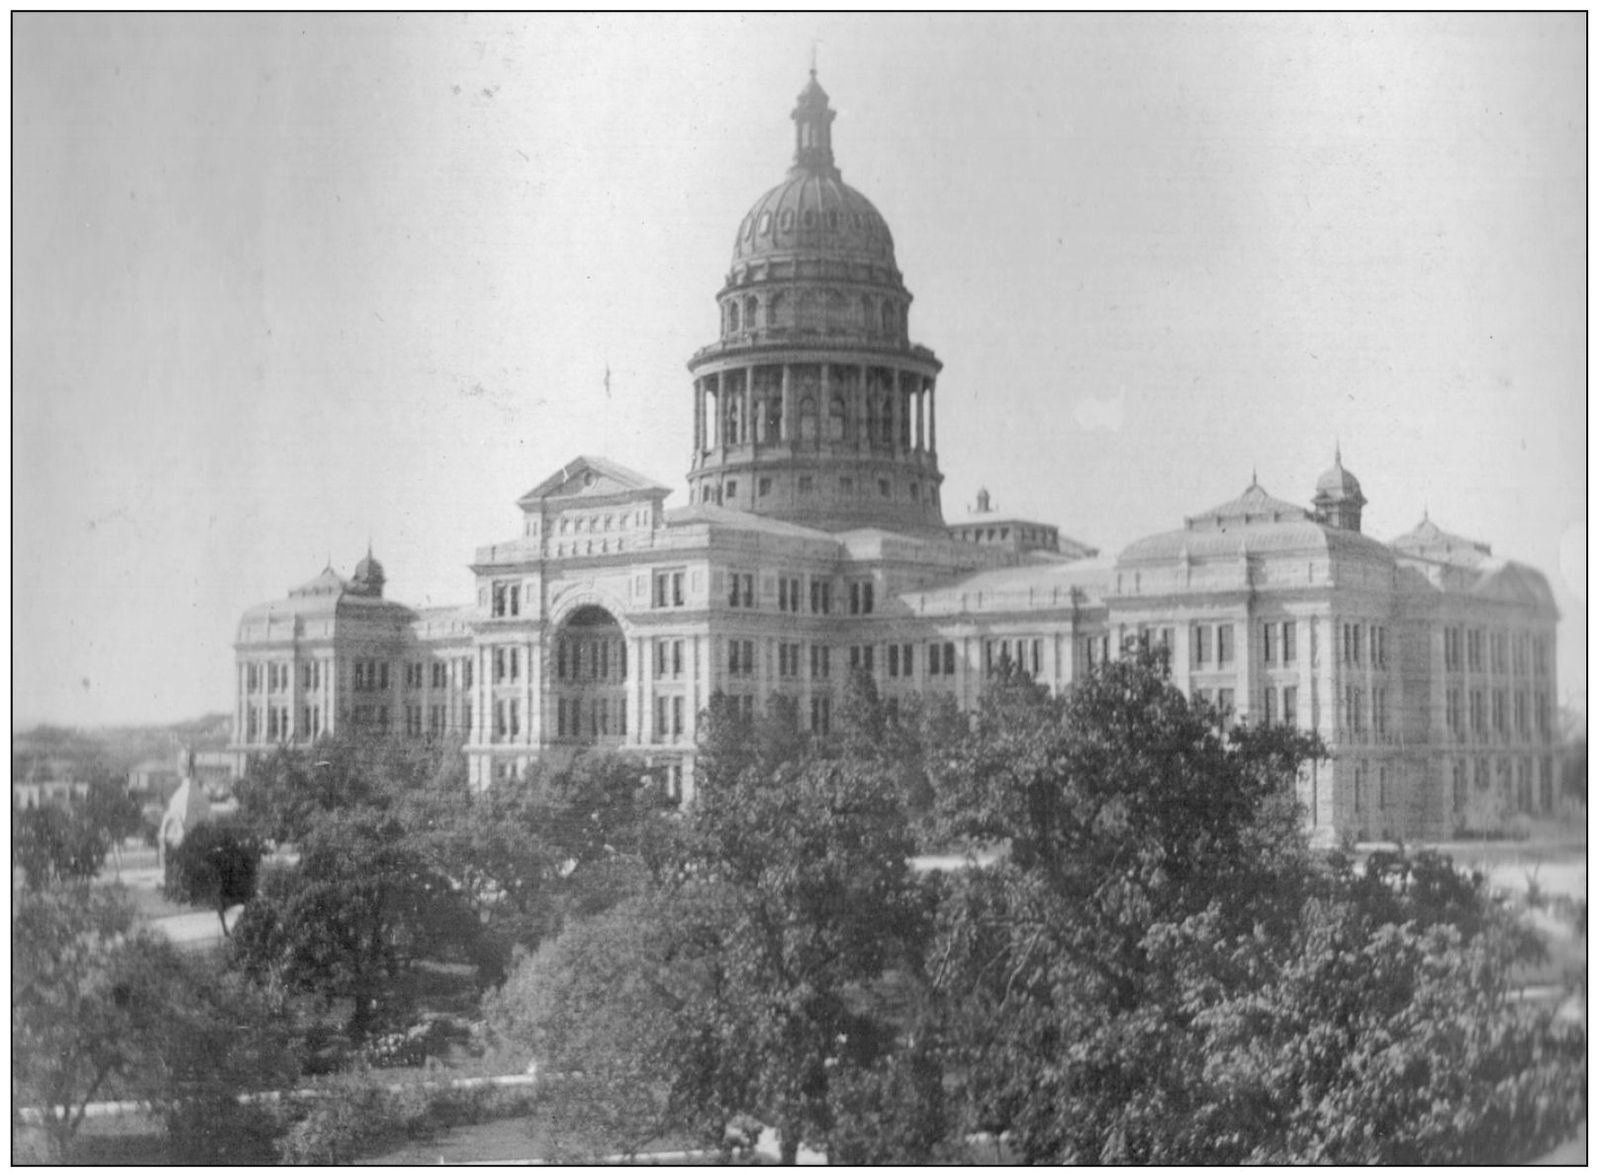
{"x": 369, "y": 578}
{"x": 1338, "y": 498}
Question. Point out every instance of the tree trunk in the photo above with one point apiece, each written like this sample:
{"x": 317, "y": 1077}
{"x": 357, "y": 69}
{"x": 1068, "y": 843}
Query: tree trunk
{"x": 788, "y": 1147}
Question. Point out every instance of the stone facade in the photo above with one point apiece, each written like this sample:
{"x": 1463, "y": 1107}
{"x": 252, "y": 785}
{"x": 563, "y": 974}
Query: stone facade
{"x": 813, "y": 543}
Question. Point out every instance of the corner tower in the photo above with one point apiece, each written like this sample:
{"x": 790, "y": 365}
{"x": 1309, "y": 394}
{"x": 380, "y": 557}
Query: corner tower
{"x": 814, "y": 406}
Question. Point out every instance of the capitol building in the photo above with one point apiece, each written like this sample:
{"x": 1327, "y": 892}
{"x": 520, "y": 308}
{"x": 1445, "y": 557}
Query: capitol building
{"x": 812, "y": 544}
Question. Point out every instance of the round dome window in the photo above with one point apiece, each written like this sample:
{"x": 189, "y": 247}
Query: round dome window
{"x": 810, "y": 218}
{"x": 785, "y": 221}
{"x": 765, "y": 223}
{"x": 833, "y": 220}
{"x": 855, "y": 221}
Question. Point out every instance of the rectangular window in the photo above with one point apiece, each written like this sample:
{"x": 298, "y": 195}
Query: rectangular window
{"x": 1544, "y": 726}
{"x": 1473, "y": 650}
{"x": 860, "y": 597}
{"x": 1226, "y": 644}
{"x": 1540, "y": 662}
{"x": 950, "y": 659}
{"x": 1201, "y": 645}
{"x": 1461, "y": 788}
{"x": 1523, "y": 720}
{"x": 1500, "y": 652}
{"x": 1500, "y": 711}
{"x": 1288, "y": 704}
{"x": 1271, "y": 705}
{"x": 788, "y": 593}
{"x": 740, "y": 589}
{"x": 821, "y": 715}
{"x": 765, "y": 487}
{"x": 1225, "y": 703}
{"x": 1288, "y": 641}
{"x": 905, "y": 661}
{"x": 861, "y": 658}
{"x": 821, "y": 597}
{"x": 676, "y": 717}
{"x": 1452, "y": 643}
{"x": 1271, "y": 643}
{"x": 1456, "y": 710}
{"x": 668, "y": 589}
{"x": 1478, "y": 713}
{"x": 741, "y": 658}
{"x": 821, "y": 662}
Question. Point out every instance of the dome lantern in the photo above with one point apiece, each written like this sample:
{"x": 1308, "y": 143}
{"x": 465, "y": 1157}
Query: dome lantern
{"x": 813, "y": 131}
{"x": 1338, "y": 498}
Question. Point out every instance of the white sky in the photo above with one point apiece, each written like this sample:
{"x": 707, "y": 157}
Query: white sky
{"x": 284, "y": 284}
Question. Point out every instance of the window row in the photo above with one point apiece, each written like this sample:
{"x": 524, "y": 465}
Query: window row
{"x": 590, "y": 659}
{"x": 1360, "y": 641}
{"x": 829, "y": 311}
{"x": 591, "y": 718}
{"x": 1516, "y": 779}
{"x": 1361, "y": 782}
{"x": 1494, "y": 708}
{"x": 1520, "y": 653}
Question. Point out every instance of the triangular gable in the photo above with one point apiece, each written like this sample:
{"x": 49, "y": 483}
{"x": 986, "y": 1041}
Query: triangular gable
{"x": 590, "y": 479}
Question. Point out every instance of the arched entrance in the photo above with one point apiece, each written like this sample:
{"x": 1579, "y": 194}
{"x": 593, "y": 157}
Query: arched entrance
{"x": 588, "y": 678}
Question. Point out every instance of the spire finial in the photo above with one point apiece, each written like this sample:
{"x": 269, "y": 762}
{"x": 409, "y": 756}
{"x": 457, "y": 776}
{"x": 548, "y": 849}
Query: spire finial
{"x": 1254, "y": 475}
{"x": 1338, "y": 450}
{"x": 815, "y": 41}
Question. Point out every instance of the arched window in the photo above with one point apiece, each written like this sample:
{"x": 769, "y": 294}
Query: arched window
{"x": 810, "y": 310}
{"x": 807, "y": 418}
{"x": 785, "y": 221}
{"x": 886, "y": 421}
{"x": 838, "y": 312}
{"x": 730, "y": 421}
{"x": 732, "y": 318}
{"x": 888, "y": 318}
{"x": 774, "y": 418}
{"x": 751, "y": 311}
{"x": 835, "y": 418}
{"x": 777, "y": 311}
{"x": 866, "y": 313}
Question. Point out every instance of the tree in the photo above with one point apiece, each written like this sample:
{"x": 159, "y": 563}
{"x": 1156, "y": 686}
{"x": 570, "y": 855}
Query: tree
{"x": 102, "y": 1008}
{"x": 215, "y": 865}
{"x": 1159, "y": 971}
{"x": 52, "y": 843}
{"x": 359, "y": 907}
{"x": 792, "y": 901}
{"x": 593, "y": 1007}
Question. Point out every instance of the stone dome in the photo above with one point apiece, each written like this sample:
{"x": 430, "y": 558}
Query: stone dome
{"x": 813, "y": 210}
{"x": 1337, "y": 482}
{"x": 368, "y": 577}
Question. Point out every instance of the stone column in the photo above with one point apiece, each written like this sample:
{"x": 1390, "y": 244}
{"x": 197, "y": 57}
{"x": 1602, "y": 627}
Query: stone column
{"x": 698, "y": 417}
{"x": 933, "y": 418}
{"x": 919, "y": 398}
{"x": 788, "y": 408}
{"x": 858, "y": 408}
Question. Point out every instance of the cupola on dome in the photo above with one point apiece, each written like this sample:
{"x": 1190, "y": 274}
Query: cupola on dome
{"x": 813, "y": 210}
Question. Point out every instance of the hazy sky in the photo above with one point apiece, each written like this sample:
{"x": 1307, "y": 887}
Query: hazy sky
{"x": 286, "y": 284}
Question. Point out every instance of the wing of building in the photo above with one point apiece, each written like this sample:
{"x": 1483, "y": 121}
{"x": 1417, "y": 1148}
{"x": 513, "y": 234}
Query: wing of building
{"x": 813, "y": 544}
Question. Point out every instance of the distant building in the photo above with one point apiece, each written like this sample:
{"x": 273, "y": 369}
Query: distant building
{"x": 813, "y": 544}
{"x": 46, "y": 793}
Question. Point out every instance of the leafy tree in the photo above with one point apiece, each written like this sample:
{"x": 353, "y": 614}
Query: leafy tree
{"x": 359, "y": 907}
{"x": 792, "y": 900}
{"x": 1159, "y": 971}
{"x": 52, "y": 843}
{"x": 595, "y": 1004}
{"x": 102, "y": 1008}
{"x": 215, "y": 865}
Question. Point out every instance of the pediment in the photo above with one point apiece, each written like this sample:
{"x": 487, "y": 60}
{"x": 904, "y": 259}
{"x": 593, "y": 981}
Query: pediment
{"x": 588, "y": 480}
